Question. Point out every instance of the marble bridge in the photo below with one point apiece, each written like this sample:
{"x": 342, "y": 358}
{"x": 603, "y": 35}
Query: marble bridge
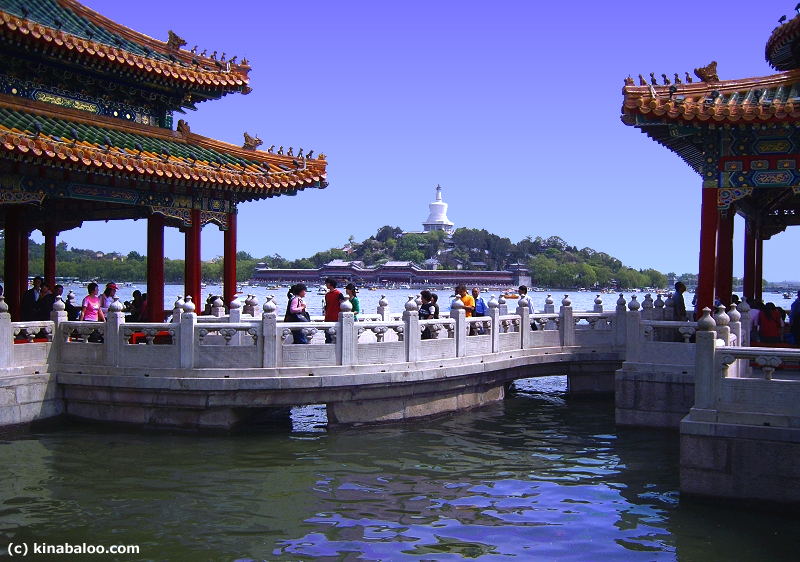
{"x": 733, "y": 404}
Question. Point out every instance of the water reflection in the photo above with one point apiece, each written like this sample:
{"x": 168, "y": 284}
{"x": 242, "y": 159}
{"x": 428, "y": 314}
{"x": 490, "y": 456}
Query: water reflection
{"x": 534, "y": 477}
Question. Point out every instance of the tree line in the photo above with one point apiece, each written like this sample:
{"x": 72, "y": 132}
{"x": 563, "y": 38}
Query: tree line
{"x": 552, "y": 261}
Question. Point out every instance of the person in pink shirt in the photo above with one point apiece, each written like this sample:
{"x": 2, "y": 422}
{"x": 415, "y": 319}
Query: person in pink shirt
{"x": 90, "y": 308}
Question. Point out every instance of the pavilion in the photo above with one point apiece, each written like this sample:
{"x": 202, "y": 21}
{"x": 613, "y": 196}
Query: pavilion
{"x": 742, "y": 137}
{"x": 86, "y": 133}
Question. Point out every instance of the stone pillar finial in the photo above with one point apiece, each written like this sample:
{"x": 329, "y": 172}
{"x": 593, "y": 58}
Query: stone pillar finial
{"x": 179, "y": 303}
{"x": 3, "y": 304}
{"x": 58, "y": 306}
{"x": 115, "y": 306}
{"x": 188, "y": 305}
{"x": 493, "y": 302}
{"x": 457, "y": 304}
{"x": 706, "y": 322}
{"x": 720, "y": 317}
{"x": 270, "y": 307}
{"x": 346, "y": 305}
{"x": 634, "y": 304}
{"x": 410, "y": 304}
{"x": 734, "y": 314}
{"x": 566, "y": 301}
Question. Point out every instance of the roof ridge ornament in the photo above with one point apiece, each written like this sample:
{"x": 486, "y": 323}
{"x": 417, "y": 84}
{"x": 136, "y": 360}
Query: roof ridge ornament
{"x": 707, "y": 73}
{"x": 175, "y": 42}
{"x": 251, "y": 143}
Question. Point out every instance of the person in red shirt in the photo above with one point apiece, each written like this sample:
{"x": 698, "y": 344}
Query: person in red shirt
{"x": 770, "y": 324}
{"x": 332, "y": 299}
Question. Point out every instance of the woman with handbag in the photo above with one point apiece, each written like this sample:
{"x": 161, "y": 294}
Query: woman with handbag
{"x": 296, "y": 311}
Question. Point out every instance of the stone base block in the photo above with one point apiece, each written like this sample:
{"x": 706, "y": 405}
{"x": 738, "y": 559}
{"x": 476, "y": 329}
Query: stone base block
{"x": 589, "y": 378}
{"x": 730, "y": 462}
{"x": 147, "y": 417}
{"x": 373, "y": 411}
{"x": 652, "y": 398}
{"x": 28, "y": 398}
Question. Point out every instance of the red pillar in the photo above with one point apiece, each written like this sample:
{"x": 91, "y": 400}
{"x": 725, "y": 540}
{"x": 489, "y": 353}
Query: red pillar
{"x": 155, "y": 268}
{"x": 708, "y": 249}
{"x": 193, "y": 267}
{"x": 23, "y": 262}
{"x": 757, "y": 290}
{"x": 724, "y": 284}
{"x": 229, "y": 261}
{"x": 11, "y": 267}
{"x": 749, "y": 288}
{"x": 50, "y": 258}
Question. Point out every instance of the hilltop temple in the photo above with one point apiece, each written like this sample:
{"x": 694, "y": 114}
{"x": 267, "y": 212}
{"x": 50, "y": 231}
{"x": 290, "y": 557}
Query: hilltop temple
{"x": 437, "y": 220}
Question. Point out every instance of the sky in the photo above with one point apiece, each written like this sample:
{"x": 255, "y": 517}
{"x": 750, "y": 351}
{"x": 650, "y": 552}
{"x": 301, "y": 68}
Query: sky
{"x": 512, "y": 107}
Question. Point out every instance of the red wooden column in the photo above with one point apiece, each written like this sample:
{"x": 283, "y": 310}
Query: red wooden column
{"x": 193, "y": 267}
{"x": 749, "y": 288}
{"x": 708, "y": 249}
{"x": 155, "y": 268}
{"x": 759, "y": 280}
{"x": 50, "y": 258}
{"x": 23, "y": 261}
{"x": 229, "y": 261}
{"x": 724, "y": 284}
{"x": 11, "y": 266}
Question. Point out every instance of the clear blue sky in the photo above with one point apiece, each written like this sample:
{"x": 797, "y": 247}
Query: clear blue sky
{"x": 513, "y": 107}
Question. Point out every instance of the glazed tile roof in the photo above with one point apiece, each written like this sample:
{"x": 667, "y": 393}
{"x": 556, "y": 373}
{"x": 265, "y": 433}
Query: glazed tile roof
{"x": 779, "y": 52}
{"x": 774, "y": 98}
{"x": 34, "y": 130}
{"x": 88, "y": 37}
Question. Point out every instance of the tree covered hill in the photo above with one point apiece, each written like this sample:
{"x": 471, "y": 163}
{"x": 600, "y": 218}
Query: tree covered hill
{"x": 552, "y": 261}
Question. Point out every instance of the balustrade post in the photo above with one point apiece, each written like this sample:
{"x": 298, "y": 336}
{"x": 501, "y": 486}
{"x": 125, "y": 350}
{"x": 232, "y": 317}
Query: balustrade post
{"x": 735, "y": 324}
{"x": 383, "y": 309}
{"x": 501, "y": 303}
{"x": 177, "y": 310}
{"x": 347, "y": 340}
{"x": 620, "y": 324}
{"x": 669, "y": 309}
{"x": 113, "y": 337}
{"x": 659, "y": 308}
{"x": 493, "y": 312}
{"x": 235, "y": 314}
{"x": 269, "y": 329}
{"x": 744, "y": 310}
{"x": 188, "y": 321}
{"x": 7, "y": 335}
{"x": 58, "y": 315}
{"x": 549, "y": 308}
{"x": 601, "y": 323}
{"x": 634, "y": 336}
{"x": 256, "y": 309}
{"x": 723, "y": 329}
{"x": 217, "y": 308}
{"x": 458, "y": 314}
{"x": 524, "y": 324}
{"x": 566, "y": 325}
{"x": 413, "y": 337}
{"x": 705, "y": 363}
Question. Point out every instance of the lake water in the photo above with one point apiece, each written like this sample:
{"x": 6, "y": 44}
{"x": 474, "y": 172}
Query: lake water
{"x": 535, "y": 477}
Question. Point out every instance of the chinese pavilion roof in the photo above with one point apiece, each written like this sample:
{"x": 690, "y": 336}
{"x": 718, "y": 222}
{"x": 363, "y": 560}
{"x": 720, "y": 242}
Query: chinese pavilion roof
{"x": 70, "y": 139}
{"x": 782, "y": 51}
{"x": 72, "y": 34}
{"x": 660, "y": 110}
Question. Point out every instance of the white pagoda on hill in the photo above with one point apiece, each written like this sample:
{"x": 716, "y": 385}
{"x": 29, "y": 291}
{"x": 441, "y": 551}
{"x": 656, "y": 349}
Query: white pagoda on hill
{"x": 438, "y": 217}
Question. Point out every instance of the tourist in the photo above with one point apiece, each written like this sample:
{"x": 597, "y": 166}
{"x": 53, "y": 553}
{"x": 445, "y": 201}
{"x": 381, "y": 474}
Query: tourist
{"x": 469, "y": 305}
{"x": 426, "y": 312}
{"x": 523, "y": 292}
{"x": 435, "y": 306}
{"x": 143, "y": 310}
{"x": 27, "y": 308}
{"x": 680, "y": 304}
{"x": 333, "y": 299}
{"x": 90, "y": 307}
{"x": 133, "y": 308}
{"x": 755, "y": 311}
{"x": 480, "y": 310}
{"x": 351, "y": 291}
{"x": 296, "y": 311}
{"x": 107, "y": 297}
{"x": 794, "y": 318}
{"x": 47, "y": 300}
{"x": 735, "y": 299}
{"x": 769, "y": 324}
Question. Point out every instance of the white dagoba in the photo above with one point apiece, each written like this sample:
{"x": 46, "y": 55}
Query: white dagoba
{"x": 438, "y": 217}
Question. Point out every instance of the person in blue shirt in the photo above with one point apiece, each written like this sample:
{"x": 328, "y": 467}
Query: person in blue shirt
{"x": 794, "y": 318}
{"x": 480, "y": 307}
